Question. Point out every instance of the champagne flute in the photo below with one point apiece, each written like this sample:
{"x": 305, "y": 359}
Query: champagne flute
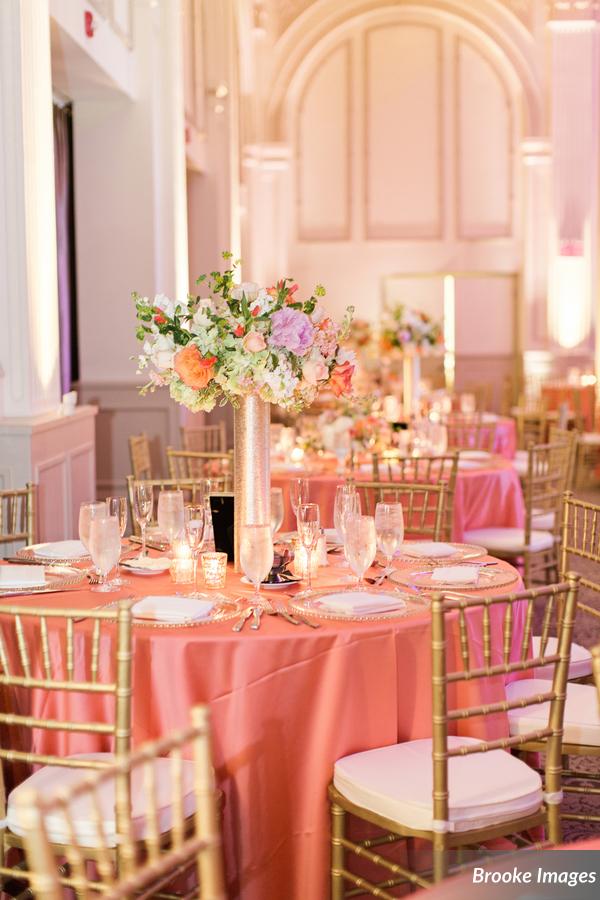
{"x": 195, "y": 522}
{"x": 117, "y": 507}
{"x": 298, "y": 493}
{"x": 170, "y": 514}
{"x": 360, "y": 545}
{"x": 347, "y": 503}
{"x": 105, "y": 547}
{"x": 309, "y": 531}
{"x": 389, "y": 525}
{"x": 277, "y": 511}
{"x": 256, "y": 556}
{"x": 143, "y": 504}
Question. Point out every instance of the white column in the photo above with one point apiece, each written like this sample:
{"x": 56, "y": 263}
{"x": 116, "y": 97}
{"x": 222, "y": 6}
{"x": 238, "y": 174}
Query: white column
{"x": 29, "y": 345}
{"x": 267, "y": 214}
{"x": 536, "y": 177}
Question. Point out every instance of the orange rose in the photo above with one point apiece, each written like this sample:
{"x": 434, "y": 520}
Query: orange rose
{"x": 193, "y": 369}
{"x": 341, "y": 379}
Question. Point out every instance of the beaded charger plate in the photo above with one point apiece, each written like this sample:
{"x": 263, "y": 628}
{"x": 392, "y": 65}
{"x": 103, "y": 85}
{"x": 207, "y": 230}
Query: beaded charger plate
{"x": 57, "y": 578}
{"x": 462, "y": 551}
{"x": 316, "y": 605}
{"x": 424, "y": 580}
{"x": 219, "y": 613}
{"x": 33, "y": 553}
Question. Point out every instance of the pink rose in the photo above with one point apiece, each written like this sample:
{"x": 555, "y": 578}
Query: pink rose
{"x": 254, "y": 342}
{"x": 314, "y": 370}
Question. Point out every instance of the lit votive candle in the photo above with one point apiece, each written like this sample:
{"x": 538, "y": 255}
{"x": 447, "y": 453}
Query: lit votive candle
{"x": 214, "y": 569}
{"x": 182, "y": 564}
{"x": 300, "y": 566}
{"x": 297, "y": 456}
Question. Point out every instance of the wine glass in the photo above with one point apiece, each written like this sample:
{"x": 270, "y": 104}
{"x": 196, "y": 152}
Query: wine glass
{"x": 87, "y": 513}
{"x": 170, "y": 513}
{"x": 256, "y": 556}
{"x": 389, "y": 525}
{"x": 309, "y": 531}
{"x": 347, "y": 503}
{"x": 277, "y": 511}
{"x": 143, "y": 504}
{"x": 117, "y": 507}
{"x": 298, "y": 493}
{"x": 195, "y": 521}
{"x": 360, "y": 545}
{"x": 341, "y": 448}
{"x": 105, "y": 548}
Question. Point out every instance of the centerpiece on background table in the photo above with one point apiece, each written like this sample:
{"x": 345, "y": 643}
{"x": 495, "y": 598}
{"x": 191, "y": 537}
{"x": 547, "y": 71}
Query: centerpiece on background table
{"x": 249, "y": 346}
{"x": 413, "y": 333}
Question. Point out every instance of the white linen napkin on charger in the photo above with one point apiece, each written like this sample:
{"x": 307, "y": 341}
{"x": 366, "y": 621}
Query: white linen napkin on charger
{"x": 172, "y": 608}
{"x": 456, "y": 574}
{"x": 62, "y": 550}
{"x": 22, "y": 576}
{"x": 428, "y": 548}
{"x": 151, "y": 563}
{"x": 359, "y": 603}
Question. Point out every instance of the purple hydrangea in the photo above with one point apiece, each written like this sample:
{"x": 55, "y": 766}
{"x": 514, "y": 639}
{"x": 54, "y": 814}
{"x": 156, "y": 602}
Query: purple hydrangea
{"x": 292, "y": 330}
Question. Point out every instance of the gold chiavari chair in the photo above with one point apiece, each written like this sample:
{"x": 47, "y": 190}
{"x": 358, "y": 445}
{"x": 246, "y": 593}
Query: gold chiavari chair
{"x": 139, "y": 454}
{"x": 42, "y": 651}
{"x": 195, "y": 490}
{"x": 479, "y": 792}
{"x": 18, "y": 515}
{"x": 191, "y": 464}
{"x": 534, "y": 547}
{"x": 423, "y": 505}
{"x": 570, "y": 437}
{"x": 532, "y": 423}
{"x": 423, "y": 470}
{"x": 205, "y": 438}
{"x": 148, "y": 863}
{"x": 508, "y": 396}
{"x": 587, "y": 459}
{"x": 483, "y": 392}
{"x": 470, "y": 433}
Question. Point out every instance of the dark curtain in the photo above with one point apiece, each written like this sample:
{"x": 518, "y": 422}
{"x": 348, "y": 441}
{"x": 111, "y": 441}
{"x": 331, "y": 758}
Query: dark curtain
{"x": 65, "y": 246}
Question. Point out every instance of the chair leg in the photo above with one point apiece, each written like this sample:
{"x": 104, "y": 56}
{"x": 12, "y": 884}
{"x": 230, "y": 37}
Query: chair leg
{"x": 440, "y": 858}
{"x": 554, "y": 824}
{"x": 411, "y": 859}
{"x": 338, "y": 821}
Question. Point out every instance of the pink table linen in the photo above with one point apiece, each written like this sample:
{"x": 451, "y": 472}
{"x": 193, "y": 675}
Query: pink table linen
{"x": 484, "y": 497}
{"x": 286, "y": 702}
{"x": 505, "y": 442}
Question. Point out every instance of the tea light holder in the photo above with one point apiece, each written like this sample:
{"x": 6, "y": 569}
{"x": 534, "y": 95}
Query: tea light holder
{"x": 182, "y": 564}
{"x": 214, "y": 569}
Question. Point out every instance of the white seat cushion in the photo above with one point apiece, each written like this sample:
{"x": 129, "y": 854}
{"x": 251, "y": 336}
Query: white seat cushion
{"x": 543, "y": 521}
{"x": 582, "y": 722}
{"x": 521, "y": 462}
{"x": 50, "y": 779}
{"x": 579, "y": 667}
{"x": 397, "y": 782}
{"x": 509, "y": 540}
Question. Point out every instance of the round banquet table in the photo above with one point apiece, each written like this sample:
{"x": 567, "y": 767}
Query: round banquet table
{"x": 485, "y": 496}
{"x": 505, "y": 441}
{"x": 286, "y": 702}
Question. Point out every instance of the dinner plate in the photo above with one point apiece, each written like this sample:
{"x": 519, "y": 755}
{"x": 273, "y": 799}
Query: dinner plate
{"x": 219, "y": 613}
{"x": 35, "y": 552}
{"x": 314, "y": 605}
{"x": 272, "y": 586}
{"x": 463, "y": 551}
{"x": 130, "y": 566}
{"x": 57, "y": 577}
{"x": 488, "y": 580}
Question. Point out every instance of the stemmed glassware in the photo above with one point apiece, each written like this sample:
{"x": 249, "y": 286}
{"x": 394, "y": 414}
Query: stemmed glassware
{"x": 87, "y": 513}
{"x": 309, "y": 531}
{"x": 170, "y": 514}
{"x": 347, "y": 503}
{"x": 143, "y": 504}
{"x": 389, "y": 526}
{"x": 195, "y": 522}
{"x": 256, "y": 556}
{"x": 298, "y": 493}
{"x": 360, "y": 545}
{"x": 117, "y": 507}
{"x": 105, "y": 548}
{"x": 277, "y": 511}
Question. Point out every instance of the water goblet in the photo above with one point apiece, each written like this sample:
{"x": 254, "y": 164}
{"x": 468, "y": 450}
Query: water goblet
{"x": 105, "y": 548}
{"x": 360, "y": 545}
{"x": 256, "y": 556}
{"x": 170, "y": 513}
{"x": 389, "y": 526}
{"x": 87, "y": 513}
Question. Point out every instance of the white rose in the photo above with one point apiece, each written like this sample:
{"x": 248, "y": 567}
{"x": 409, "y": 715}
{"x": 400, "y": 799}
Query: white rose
{"x": 249, "y": 288}
{"x": 162, "y": 302}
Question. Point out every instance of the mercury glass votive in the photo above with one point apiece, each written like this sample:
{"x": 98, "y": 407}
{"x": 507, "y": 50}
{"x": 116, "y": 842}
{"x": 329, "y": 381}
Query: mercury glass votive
{"x": 214, "y": 569}
{"x": 182, "y": 564}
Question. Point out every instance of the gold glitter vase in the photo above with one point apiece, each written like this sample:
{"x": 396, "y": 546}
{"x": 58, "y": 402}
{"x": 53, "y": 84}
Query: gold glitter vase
{"x": 252, "y": 479}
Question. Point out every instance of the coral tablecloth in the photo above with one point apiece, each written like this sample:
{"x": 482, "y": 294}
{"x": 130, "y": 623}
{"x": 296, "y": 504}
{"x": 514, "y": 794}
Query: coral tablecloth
{"x": 555, "y": 394}
{"x": 286, "y": 703}
{"x": 484, "y": 497}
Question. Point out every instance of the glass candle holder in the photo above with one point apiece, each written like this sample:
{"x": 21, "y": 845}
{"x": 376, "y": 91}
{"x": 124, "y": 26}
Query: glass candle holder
{"x": 214, "y": 569}
{"x": 182, "y": 564}
{"x": 300, "y": 566}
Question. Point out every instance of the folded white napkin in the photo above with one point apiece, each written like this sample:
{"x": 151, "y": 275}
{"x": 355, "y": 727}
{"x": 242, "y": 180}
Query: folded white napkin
{"x": 428, "y": 548}
{"x": 456, "y": 574}
{"x": 62, "y": 550}
{"x": 151, "y": 563}
{"x": 22, "y": 576}
{"x": 359, "y": 603}
{"x": 172, "y": 609}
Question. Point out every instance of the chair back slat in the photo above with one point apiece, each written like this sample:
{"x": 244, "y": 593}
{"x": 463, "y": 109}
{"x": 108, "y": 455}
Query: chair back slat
{"x": 139, "y": 454}
{"x": 423, "y": 505}
{"x": 147, "y": 864}
{"x": 580, "y": 537}
{"x": 196, "y": 465}
{"x": 18, "y": 515}
{"x": 471, "y": 432}
{"x": 195, "y": 490}
{"x": 205, "y": 438}
{"x": 532, "y": 422}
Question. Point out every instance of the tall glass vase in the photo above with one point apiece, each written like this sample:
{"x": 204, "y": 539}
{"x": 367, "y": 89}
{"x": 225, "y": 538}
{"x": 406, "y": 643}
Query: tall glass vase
{"x": 252, "y": 480}
{"x": 411, "y": 377}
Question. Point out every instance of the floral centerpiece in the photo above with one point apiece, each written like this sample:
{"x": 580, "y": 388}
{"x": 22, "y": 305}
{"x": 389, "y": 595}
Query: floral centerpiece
{"x": 410, "y": 329}
{"x": 371, "y": 432}
{"x": 243, "y": 340}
